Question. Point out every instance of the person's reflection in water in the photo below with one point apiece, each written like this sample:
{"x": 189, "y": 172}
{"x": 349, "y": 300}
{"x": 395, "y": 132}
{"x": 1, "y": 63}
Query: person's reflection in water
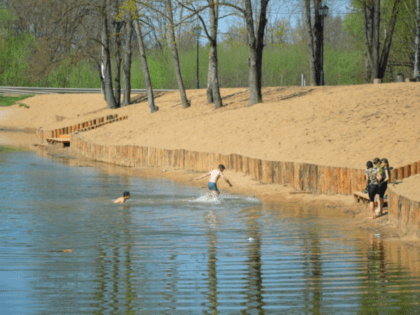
{"x": 376, "y": 259}
{"x": 377, "y": 275}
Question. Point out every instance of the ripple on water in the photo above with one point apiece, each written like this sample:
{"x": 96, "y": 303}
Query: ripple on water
{"x": 169, "y": 250}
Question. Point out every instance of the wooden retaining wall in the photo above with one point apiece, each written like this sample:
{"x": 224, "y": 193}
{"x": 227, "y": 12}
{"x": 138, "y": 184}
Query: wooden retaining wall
{"x": 43, "y": 135}
{"x": 405, "y": 171}
{"x": 404, "y": 213}
{"x": 302, "y": 176}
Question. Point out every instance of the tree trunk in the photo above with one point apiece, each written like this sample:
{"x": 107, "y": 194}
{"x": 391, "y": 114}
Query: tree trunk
{"x": 252, "y": 59}
{"x": 311, "y": 44}
{"x": 383, "y": 61}
{"x": 214, "y": 19}
{"x": 417, "y": 42}
{"x": 152, "y": 107}
{"x": 118, "y": 60}
{"x": 100, "y": 70}
{"x": 315, "y": 42}
{"x": 260, "y": 45}
{"x": 256, "y": 47}
{"x": 377, "y": 62}
{"x": 181, "y": 87}
{"x": 108, "y": 90}
{"x": 372, "y": 15}
{"x": 127, "y": 59}
{"x": 209, "y": 81}
{"x": 318, "y": 32}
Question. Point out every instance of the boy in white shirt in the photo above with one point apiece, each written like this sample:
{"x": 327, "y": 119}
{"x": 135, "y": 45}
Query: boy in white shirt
{"x": 214, "y": 177}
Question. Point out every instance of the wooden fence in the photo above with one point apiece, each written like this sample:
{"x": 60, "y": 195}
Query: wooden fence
{"x": 43, "y": 135}
{"x": 302, "y": 176}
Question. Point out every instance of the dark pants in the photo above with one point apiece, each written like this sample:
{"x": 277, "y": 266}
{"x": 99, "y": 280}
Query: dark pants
{"x": 373, "y": 190}
{"x": 382, "y": 189}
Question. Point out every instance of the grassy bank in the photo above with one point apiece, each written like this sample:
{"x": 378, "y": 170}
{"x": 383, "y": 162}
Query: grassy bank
{"x": 8, "y": 149}
{"x": 11, "y": 100}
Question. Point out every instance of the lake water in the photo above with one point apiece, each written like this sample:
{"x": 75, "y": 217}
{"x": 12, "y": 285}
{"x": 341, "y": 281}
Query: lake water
{"x": 166, "y": 251}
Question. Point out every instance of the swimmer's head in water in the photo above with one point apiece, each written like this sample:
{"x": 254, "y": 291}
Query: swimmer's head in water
{"x": 221, "y": 167}
{"x": 126, "y": 194}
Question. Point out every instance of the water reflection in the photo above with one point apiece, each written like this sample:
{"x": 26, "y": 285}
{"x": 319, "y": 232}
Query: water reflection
{"x": 254, "y": 293}
{"x": 211, "y": 220}
{"x": 312, "y": 258}
{"x": 166, "y": 253}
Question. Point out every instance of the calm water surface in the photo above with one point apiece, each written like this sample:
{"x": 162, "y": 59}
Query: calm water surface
{"x": 167, "y": 252}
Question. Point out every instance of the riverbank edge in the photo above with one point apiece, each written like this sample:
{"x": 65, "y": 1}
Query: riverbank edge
{"x": 278, "y": 179}
{"x": 394, "y": 225}
{"x": 335, "y": 207}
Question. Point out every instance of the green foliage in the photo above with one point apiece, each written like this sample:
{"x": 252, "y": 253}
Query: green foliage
{"x": 13, "y": 53}
{"x": 188, "y": 61}
{"x": 8, "y": 149}
{"x": 402, "y": 49}
{"x": 11, "y": 100}
{"x": 233, "y": 68}
{"x": 284, "y": 64}
{"x": 14, "y": 62}
{"x": 342, "y": 67}
{"x": 80, "y": 75}
{"x": 354, "y": 26}
{"x": 161, "y": 71}
{"x": 285, "y": 55}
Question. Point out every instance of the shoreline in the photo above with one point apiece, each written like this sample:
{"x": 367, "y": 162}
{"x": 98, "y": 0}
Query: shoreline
{"x": 338, "y": 207}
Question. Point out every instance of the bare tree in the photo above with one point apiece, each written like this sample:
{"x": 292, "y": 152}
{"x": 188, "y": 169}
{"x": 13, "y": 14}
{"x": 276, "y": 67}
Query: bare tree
{"x": 213, "y": 86}
{"x": 128, "y": 20}
{"x": 212, "y": 6}
{"x": 167, "y": 13}
{"x": 106, "y": 56}
{"x": 59, "y": 29}
{"x": 181, "y": 87}
{"x": 148, "y": 82}
{"x": 117, "y": 26}
{"x": 255, "y": 39}
{"x": 377, "y": 60}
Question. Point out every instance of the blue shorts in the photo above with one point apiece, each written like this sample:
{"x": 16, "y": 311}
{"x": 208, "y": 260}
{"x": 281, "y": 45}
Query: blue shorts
{"x": 212, "y": 186}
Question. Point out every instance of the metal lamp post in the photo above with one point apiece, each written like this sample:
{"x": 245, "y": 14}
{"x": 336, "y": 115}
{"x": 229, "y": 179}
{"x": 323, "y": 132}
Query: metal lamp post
{"x": 323, "y": 12}
{"x": 197, "y": 32}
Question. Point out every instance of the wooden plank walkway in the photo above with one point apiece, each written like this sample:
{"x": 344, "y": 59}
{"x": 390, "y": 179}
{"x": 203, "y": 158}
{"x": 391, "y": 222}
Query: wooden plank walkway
{"x": 361, "y": 197}
{"x": 364, "y": 197}
{"x": 63, "y": 140}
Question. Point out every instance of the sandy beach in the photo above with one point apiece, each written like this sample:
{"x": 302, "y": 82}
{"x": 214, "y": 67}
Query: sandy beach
{"x": 332, "y": 125}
